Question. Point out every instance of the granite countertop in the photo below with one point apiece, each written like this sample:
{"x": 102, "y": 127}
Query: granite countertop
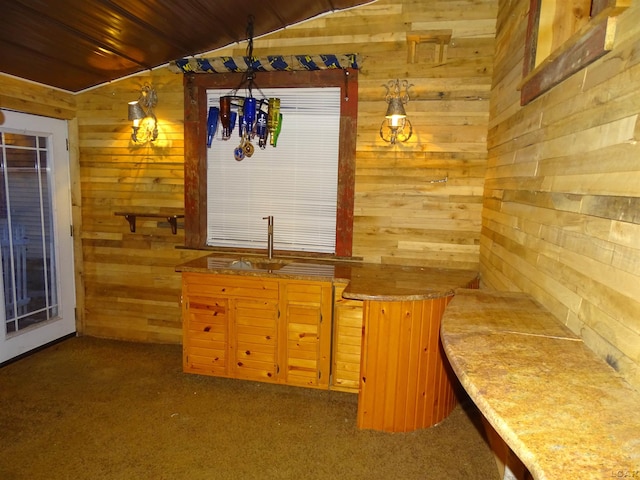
{"x": 366, "y": 281}
{"x": 562, "y": 410}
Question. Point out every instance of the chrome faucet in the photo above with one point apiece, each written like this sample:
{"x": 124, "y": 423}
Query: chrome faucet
{"x": 269, "y": 220}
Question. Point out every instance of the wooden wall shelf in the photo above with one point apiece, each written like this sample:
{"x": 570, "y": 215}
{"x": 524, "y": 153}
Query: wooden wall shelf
{"x": 438, "y": 38}
{"x": 170, "y": 217}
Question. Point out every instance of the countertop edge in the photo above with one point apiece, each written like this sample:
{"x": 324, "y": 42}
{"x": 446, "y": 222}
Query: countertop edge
{"x": 395, "y": 298}
{"x": 365, "y": 282}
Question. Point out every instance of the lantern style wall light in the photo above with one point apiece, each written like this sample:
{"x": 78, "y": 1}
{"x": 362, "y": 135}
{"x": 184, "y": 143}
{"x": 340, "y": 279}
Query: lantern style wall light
{"x": 396, "y": 127}
{"x": 145, "y": 124}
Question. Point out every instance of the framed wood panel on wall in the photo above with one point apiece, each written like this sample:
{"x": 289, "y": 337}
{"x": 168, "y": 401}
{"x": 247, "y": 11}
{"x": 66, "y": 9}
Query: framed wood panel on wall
{"x": 563, "y": 37}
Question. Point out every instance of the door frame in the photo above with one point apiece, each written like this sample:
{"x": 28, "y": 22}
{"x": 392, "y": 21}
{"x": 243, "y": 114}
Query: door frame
{"x": 17, "y": 344}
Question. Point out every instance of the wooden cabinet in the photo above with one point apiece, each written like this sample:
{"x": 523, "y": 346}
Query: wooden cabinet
{"x": 257, "y": 328}
{"x": 230, "y": 325}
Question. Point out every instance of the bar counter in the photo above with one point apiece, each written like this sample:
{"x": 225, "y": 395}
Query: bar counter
{"x": 405, "y": 382}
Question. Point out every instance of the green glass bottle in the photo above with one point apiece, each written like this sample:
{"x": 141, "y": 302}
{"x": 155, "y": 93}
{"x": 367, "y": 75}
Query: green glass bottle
{"x": 276, "y": 133}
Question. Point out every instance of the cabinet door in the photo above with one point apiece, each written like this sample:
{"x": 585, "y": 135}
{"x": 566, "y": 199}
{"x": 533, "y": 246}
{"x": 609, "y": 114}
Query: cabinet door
{"x": 347, "y": 342}
{"x": 230, "y": 325}
{"x": 205, "y": 334}
{"x": 305, "y": 347}
{"x": 254, "y": 339}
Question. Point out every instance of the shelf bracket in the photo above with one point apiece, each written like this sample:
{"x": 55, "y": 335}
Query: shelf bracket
{"x": 132, "y": 216}
{"x": 132, "y": 222}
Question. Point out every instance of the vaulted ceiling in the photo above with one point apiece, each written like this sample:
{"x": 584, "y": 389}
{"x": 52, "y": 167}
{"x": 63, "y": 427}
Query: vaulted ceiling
{"x": 76, "y": 44}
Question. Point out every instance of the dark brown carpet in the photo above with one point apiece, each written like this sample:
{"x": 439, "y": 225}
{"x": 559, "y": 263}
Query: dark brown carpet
{"x": 88, "y": 408}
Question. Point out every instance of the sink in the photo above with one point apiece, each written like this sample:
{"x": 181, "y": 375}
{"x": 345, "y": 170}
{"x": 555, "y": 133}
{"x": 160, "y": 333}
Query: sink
{"x": 240, "y": 265}
{"x": 257, "y": 264}
{"x": 267, "y": 265}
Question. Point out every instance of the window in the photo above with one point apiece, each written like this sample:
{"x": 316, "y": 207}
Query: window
{"x": 296, "y": 182}
{"x": 196, "y": 183}
{"x": 564, "y": 37}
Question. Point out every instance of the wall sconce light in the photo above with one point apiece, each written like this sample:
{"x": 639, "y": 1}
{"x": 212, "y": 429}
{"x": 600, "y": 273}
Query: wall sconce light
{"x": 396, "y": 127}
{"x": 145, "y": 124}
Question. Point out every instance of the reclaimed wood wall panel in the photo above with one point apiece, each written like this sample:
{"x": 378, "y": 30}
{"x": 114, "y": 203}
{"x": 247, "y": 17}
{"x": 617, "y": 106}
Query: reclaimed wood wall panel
{"x": 132, "y": 289}
{"x": 404, "y": 210}
{"x": 404, "y": 213}
{"x": 562, "y": 191}
{"x": 28, "y": 97}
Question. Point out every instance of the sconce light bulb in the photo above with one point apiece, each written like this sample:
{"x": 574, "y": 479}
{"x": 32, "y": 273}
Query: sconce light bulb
{"x": 395, "y": 120}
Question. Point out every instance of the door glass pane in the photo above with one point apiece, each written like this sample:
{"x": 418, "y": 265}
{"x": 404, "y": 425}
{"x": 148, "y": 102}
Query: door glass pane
{"x": 26, "y": 231}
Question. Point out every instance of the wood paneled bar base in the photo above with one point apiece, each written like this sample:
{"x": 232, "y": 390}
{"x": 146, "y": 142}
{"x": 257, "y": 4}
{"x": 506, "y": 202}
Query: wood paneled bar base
{"x": 405, "y": 382}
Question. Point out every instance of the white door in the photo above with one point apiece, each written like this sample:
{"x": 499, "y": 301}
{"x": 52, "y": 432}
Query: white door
{"x": 37, "y": 284}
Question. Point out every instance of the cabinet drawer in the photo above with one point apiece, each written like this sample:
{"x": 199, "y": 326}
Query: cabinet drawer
{"x": 203, "y": 284}
{"x": 206, "y": 316}
{"x": 207, "y": 306}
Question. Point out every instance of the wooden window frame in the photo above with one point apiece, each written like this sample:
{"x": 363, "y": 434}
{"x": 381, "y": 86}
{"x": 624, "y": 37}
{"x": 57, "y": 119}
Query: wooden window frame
{"x": 195, "y": 149}
{"x": 585, "y": 46}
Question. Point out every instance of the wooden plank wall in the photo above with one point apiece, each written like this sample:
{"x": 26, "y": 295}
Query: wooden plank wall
{"x": 29, "y": 97}
{"x": 561, "y": 217}
{"x": 400, "y": 217}
{"x": 132, "y": 291}
{"x": 403, "y": 214}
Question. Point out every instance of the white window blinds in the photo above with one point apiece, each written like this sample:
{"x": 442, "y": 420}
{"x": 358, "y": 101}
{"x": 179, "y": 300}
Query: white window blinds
{"x": 296, "y": 182}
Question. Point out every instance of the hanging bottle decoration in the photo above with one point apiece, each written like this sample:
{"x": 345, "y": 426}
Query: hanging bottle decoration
{"x": 232, "y": 123}
{"x": 249, "y": 116}
{"x": 238, "y": 153}
{"x": 262, "y": 132}
{"x": 212, "y": 124}
{"x": 256, "y": 118}
{"x": 276, "y": 134}
{"x": 239, "y": 104}
{"x": 225, "y": 117}
{"x": 248, "y": 147}
{"x": 274, "y": 119}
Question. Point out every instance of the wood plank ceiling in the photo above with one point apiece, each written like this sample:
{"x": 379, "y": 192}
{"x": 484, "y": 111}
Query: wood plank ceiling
{"x": 77, "y": 44}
